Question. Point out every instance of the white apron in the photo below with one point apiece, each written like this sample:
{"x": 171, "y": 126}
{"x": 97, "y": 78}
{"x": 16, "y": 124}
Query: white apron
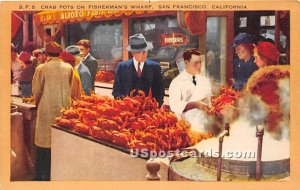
{"x": 196, "y": 117}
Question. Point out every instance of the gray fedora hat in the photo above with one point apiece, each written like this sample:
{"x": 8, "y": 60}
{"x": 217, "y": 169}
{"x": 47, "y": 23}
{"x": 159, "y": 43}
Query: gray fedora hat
{"x": 73, "y": 49}
{"x": 138, "y": 43}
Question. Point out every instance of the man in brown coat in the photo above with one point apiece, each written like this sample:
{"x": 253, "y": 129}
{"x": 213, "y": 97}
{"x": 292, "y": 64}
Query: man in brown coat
{"x": 51, "y": 88}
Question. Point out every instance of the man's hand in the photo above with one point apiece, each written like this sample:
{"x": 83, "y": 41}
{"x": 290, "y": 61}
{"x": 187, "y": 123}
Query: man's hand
{"x": 196, "y": 104}
{"x": 201, "y": 105}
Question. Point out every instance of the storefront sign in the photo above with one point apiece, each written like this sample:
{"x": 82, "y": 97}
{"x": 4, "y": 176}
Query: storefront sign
{"x": 175, "y": 39}
{"x": 55, "y": 17}
{"x": 164, "y": 65}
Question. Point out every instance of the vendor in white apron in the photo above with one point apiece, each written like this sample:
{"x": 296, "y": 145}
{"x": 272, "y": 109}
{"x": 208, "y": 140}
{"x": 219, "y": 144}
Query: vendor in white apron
{"x": 190, "y": 92}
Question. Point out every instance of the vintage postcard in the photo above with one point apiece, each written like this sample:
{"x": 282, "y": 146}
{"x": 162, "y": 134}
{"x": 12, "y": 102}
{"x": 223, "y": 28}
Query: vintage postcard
{"x": 149, "y": 94}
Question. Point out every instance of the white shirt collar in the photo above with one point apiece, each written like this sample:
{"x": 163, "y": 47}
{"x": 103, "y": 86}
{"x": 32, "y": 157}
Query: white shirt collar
{"x": 135, "y": 62}
{"x": 85, "y": 57}
{"x": 190, "y": 77}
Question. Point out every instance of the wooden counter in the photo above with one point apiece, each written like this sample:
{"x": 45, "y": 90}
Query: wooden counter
{"x": 27, "y": 109}
{"x": 29, "y": 112}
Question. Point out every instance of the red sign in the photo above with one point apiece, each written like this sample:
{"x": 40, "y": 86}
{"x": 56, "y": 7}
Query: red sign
{"x": 175, "y": 39}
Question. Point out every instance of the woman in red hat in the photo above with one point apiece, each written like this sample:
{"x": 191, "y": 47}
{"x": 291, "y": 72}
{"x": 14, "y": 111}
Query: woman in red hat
{"x": 26, "y": 75}
{"x": 266, "y": 53}
{"x": 267, "y": 82}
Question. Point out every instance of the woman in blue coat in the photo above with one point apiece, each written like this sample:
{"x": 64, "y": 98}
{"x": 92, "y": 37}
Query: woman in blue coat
{"x": 244, "y": 64}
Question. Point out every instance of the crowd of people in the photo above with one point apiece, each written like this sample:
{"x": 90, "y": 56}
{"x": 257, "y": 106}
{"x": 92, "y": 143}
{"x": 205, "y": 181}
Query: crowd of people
{"x": 54, "y": 77}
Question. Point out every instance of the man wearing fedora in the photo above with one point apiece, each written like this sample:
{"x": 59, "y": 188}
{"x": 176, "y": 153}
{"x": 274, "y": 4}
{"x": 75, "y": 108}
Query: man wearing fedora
{"x": 51, "y": 89}
{"x": 139, "y": 72}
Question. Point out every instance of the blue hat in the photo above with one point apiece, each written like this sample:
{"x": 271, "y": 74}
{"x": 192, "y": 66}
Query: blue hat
{"x": 242, "y": 38}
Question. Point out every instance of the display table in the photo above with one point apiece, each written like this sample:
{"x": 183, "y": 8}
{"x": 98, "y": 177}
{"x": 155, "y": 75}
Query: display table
{"x": 106, "y": 89}
{"x": 79, "y": 157}
{"x": 27, "y": 109}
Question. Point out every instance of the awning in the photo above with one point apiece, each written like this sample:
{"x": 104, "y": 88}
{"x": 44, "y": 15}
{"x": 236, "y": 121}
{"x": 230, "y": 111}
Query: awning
{"x": 55, "y": 17}
{"x": 16, "y": 22}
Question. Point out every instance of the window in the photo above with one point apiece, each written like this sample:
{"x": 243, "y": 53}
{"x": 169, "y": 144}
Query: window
{"x": 216, "y": 49}
{"x": 169, "y": 42}
{"x": 106, "y": 40}
{"x": 269, "y": 35}
{"x": 261, "y": 24}
{"x": 243, "y": 22}
{"x": 267, "y": 21}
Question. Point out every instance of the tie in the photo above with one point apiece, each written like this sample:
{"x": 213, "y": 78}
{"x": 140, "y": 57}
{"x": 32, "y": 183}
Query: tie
{"x": 139, "y": 70}
{"x": 194, "y": 81}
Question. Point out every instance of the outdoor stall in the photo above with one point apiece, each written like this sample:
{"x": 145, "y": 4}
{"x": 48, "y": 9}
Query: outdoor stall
{"x": 94, "y": 138}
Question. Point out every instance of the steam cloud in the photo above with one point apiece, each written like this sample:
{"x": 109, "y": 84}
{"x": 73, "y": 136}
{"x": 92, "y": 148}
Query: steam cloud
{"x": 284, "y": 94}
{"x": 253, "y": 109}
